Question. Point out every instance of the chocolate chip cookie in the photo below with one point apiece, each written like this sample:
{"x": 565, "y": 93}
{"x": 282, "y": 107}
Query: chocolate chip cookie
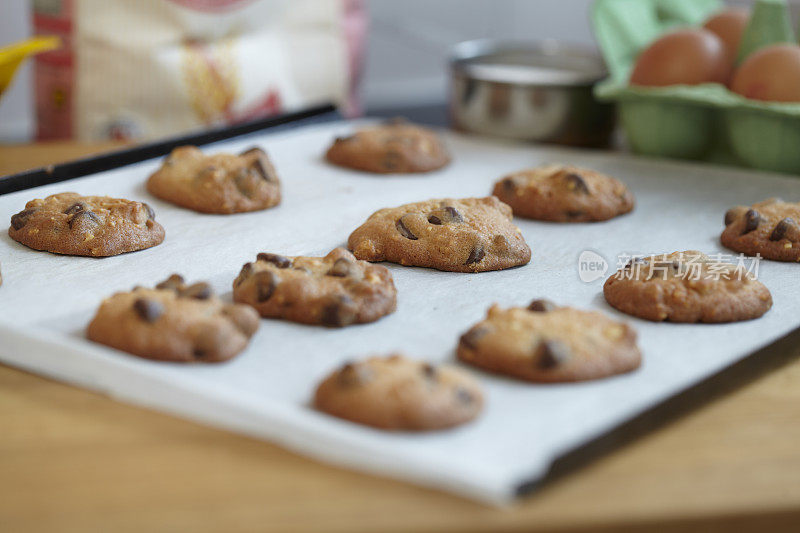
{"x": 174, "y": 322}
{"x": 220, "y": 183}
{"x": 687, "y": 287}
{"x": 393, "y": 147}
{"x": 548, "y": 344}
{"x": 770, "y": 228}
{"x": 97, "y": 226}
{"x": 561, "y": 193}
{"x": 467, "y": 235}
{"x": 398, "y": 393}
{"x": 335, "y": 290}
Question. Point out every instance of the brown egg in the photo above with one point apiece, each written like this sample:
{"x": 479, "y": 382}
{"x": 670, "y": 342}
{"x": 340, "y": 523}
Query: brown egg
{"x": 729, "y": 26}
{"x": 683, "y": 57}
{"x": 771, "y": 73}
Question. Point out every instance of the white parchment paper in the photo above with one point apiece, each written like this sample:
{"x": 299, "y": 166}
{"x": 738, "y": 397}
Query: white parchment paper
{"x": 46, "y": 301}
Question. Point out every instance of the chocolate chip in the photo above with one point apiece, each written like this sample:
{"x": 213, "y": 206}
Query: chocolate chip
{"x": 509, "y": 186}
{"x": 576, "y": 183}
{"x": 476, "y": 255}
{"x": 346, "y": 374}
{"x": 74, "y": 208}
{"x": 247, "y": 270}
{"x": 82, "y": 217}
{"x": 262, "y": 171}
{"x": 453, "y": 214}
{"x": 501, "y": 242}
{"x": 541, "y": 306}
{"x": 403, "y": 230}
{"x": 198, "y": 291}
{"x": 634, "y": 261}
{"x": 243, "y": 183}
{"x": 279, "y": 261}
{"x": 150, "y": 213}
{"x": 781, "y": 228}
{"x": 353, "y": 374}
{"x": 341, "y": 268}
{"x": 266, "y": 282}
{"x": 664, "y": 265}
{"x": 464, "y": 396}
{"x": 662, "y": 268}
{"x": 429, "y": 371}
{"x": 252, "y": 150}
{"x": 147, "y": 309}
{"x": 751, "y": 221}
{"x": 471, "y": 337}
{"x": 339, "y": 312}
{"x": 730, "y": 215}
{"x": 391, "y": 161}
{"x": 207, "y": 170}
{"x": 445, "y": 215}
{"x": 174, "y": 283}
{"x": 551, "y": 353}
{"x": 209, "y": 343}
{"x": 575, "y": 214}
{"x": 19, "y": 220}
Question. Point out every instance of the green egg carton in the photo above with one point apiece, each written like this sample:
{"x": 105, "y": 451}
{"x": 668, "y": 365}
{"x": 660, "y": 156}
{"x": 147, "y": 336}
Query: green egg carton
{"x": 702, "y": 122}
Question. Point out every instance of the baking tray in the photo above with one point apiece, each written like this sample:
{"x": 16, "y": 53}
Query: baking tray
{"x": 528, "y": 433}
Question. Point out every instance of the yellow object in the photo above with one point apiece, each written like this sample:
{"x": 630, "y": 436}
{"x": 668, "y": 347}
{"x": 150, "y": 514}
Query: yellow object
{"x": 11, "y": 56}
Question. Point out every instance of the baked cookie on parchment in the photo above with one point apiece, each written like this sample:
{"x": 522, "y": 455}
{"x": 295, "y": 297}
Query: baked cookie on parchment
{"x": 563, "y": 193}
{"x": 546, "y": 343}
{"x": 174, "y": 322}
{"x": 219, "y": 183}
{"x": 335, "y": 290}
{"x": 398, "y": 393}
{"x": 97, "y": 226}
{"x": 770, "y": 228}
{"x": 456, "y": 235}
{"x": 393, "y": 147}
{"x": 687, "y": 287}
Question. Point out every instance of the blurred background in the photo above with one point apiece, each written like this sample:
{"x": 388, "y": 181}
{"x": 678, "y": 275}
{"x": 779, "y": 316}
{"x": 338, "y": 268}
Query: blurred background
{"x": 374, "y": 56}
{"x": 405, "y": 56}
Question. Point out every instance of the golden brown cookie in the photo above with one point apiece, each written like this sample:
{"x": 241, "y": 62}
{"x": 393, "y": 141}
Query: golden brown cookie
{"x": 393, "y": 147}
{"x": 219, "y": 183}
{"x": 687, "y": 287}
{"x": 561, "y": 193}
{"x": 398, "y": 393}
{"x": 335, "y": 290}
{"x": 770, "y": 228}
{"x": 174, "y": 322}
{"x": 466, "y": 235}
{"x": 548, "y": 344}
{"x": 98, "y": 226}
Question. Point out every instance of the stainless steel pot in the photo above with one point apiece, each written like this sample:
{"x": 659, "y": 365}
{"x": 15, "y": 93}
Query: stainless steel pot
{"x": 532, "y": 90}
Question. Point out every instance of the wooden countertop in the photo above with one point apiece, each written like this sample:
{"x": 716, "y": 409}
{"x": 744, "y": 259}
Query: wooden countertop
{"x": 75, "y": 461}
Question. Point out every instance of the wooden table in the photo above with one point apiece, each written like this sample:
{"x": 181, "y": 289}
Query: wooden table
{"x": 72, "y": 460}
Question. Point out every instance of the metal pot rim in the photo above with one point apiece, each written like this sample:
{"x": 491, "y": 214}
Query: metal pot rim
{"x": 472, "y": 59}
